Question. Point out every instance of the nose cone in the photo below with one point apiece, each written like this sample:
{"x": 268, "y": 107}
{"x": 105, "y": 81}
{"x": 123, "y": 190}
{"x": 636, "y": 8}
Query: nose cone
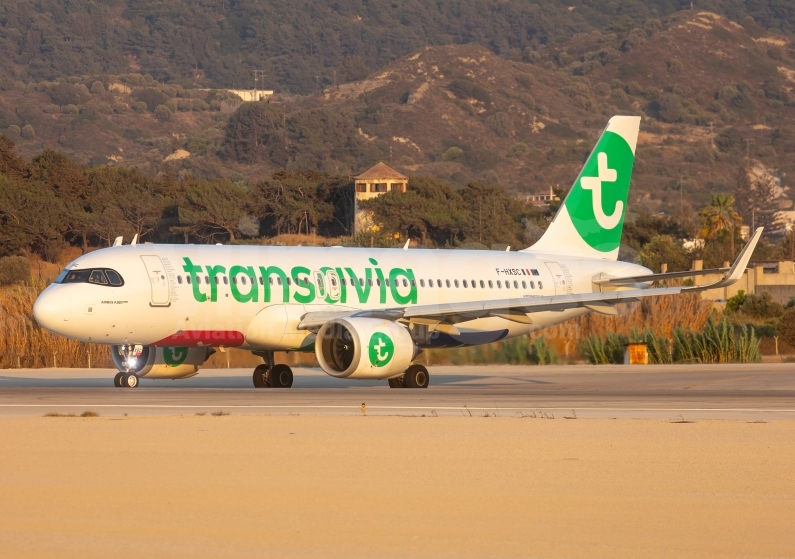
{"x": 49, "y": 310}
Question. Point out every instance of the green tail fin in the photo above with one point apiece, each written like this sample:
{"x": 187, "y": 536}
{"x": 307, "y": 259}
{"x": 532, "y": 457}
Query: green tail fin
{"x": 590, "y": 220}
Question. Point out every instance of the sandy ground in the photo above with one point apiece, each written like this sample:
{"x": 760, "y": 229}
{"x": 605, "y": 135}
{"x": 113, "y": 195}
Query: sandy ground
{"x": 309, "y": 486}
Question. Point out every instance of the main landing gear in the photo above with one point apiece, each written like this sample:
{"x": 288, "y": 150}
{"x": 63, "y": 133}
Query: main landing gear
{"x": 416, "y": 376}
{"x": 270, "y": 375}
{"x": 125, "y": 380}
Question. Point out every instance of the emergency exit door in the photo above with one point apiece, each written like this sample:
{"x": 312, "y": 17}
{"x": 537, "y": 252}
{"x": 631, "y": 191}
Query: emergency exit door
{"x": 559, "y": 278}
{"x": 158, "y": 281}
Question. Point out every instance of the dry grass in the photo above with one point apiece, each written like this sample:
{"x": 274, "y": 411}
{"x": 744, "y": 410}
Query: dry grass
{"x": 661, "y": 314}
{"x": 23, "y": 343}
{"x": 84, "y": 414}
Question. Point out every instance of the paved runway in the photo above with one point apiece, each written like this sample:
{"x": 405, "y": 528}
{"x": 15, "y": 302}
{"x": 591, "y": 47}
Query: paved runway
{"x": 755, "y": 392}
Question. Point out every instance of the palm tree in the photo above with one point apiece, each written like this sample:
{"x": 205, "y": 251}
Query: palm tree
{"x": 718, "y": 216}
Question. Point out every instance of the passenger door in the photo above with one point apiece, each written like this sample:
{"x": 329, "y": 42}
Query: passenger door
{"x": 158, "y": 281}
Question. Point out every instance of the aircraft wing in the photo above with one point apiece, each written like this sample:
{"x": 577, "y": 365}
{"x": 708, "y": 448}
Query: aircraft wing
{"x": 730, "y": 275}
{"x": 511, "y": 309}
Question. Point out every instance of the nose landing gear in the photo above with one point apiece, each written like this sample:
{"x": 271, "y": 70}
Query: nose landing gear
{"x": 125, "y": 380}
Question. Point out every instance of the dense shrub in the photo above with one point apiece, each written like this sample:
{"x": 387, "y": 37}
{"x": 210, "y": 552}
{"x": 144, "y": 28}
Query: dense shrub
{"x": 66, "y": 94}
{"x": 466, "y": 88}
{"x": 151, "y": 97}
{"x": 28, "y": 132}
{"x": 501, "y": 124}
{"x": 162, "y": 113}
{"x": 14, "y": 269}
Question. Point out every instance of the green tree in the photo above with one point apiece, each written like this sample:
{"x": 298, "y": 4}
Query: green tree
{"x": 212, "y": 210}
{"x": 720, "y": 216}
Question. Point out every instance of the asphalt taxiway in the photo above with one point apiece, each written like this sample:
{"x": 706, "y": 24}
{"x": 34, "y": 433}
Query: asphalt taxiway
{"x": 760, "y": 391}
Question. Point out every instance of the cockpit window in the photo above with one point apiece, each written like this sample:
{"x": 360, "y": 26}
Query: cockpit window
{"x": 114, "y": 277}
{"x": 97, "y": 276}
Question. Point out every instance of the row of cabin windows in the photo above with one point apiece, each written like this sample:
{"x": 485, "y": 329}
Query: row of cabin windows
{"x": 381, "y": 187}
{"x": 243, "y": 280}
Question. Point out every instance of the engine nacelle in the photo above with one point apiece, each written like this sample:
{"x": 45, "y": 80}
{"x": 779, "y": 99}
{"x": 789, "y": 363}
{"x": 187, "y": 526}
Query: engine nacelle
{"x": 364, "y": 348}
{"x": 161, "y": 362}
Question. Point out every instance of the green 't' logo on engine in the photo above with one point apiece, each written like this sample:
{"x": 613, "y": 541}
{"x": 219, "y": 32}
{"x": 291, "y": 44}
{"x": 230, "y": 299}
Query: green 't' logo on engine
{"x": 598, "y": 201}
{"x": 381, "y": 349}
{"x": 175, "y": 356}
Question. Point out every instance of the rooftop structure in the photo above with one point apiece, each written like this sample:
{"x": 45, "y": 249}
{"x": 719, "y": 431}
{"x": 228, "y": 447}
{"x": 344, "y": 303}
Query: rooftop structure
{"x": 374, "y": 182}
{"x": 541, "y": 200}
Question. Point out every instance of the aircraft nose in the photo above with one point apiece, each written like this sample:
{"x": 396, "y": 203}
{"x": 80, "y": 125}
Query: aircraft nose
{"x": 49, "y": 311}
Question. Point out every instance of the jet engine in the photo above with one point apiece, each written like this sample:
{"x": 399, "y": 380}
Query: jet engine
{"x": 160, "y": 362}
{"x": 364, "y": 348}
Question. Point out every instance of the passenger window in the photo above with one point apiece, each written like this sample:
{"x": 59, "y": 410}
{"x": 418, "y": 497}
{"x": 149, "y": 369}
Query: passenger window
{"x": 199, "y": 280}
{"x": 187, "y": 280}
{"x": 114, "y": 277}
{"x": 524, "y": 285}
{"x": 516, "y": 284}
{"x": 333, "y": 281}
{"x": 405, "y": 283}
{"x": 465, "y": 283}
{"x": 540, "y": 285}
{"x": 438, "y": 283}
{"x": 217, "y": 281}
{"x": 499, "y": 284}
{"x": 278, "y": 281}
{"x": 532, "y": 285}
{"x": 370, "y": 282}
{"x": 507, "y": 285}
{"x": 234, "y": 280}
{"x": 482, "y": 285}
{"x": 456, "y": 283}
{"x": 207, "y": 280}
{"x": 98, "y": 276}
{"x": 474, "y": 284}
{"x": 422, "y": 283}
{"x": 226, "y": 280}
{"x": 491, "y": 285}
{"x": 179, "y": 280}
{"x": 447, "y": 282}
{"x": 289, "y": 282}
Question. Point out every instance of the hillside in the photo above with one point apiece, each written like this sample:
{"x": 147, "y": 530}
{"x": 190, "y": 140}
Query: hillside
{"x": 301, "y": 45}
{"x": 703, "y": 83}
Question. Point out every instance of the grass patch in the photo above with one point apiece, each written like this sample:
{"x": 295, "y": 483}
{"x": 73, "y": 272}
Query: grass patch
{"x": 219, "y": 413}
{"x": 84, "y": 414}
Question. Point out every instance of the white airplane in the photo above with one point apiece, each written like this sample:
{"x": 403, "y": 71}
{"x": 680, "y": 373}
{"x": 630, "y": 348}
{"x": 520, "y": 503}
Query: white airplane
{"x": 365, "y": 313}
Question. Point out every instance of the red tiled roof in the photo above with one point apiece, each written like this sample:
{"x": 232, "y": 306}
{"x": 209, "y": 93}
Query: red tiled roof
{"x": 381, "y": 171}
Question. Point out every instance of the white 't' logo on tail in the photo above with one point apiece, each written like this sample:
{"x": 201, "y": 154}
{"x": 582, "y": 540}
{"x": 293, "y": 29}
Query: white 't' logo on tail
{"x": 594, "y": 184}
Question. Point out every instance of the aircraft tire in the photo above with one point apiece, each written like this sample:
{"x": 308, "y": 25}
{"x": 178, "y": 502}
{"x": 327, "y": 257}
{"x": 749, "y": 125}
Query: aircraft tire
{"x": 416, "y": 376}
{"x": 260, "y": 377}
{"x": 117, "y": 380}
{"x": 396, "y": 382}
{"x": 129, "y": 380}
{"x": 281, "y": 376}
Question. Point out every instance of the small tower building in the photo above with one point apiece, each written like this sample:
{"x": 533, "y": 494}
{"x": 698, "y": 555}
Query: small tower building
{"x": 374, "y": 182}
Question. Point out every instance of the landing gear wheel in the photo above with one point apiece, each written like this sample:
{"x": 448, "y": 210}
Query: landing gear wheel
{"x": 416, "y": 376}
{"x": 129, "y": 380}
{"x": 261, "y": 377}
{"x": 117, "y": 380}
{"x": 396, "y": 382}
{"x": 281, "y": 376}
